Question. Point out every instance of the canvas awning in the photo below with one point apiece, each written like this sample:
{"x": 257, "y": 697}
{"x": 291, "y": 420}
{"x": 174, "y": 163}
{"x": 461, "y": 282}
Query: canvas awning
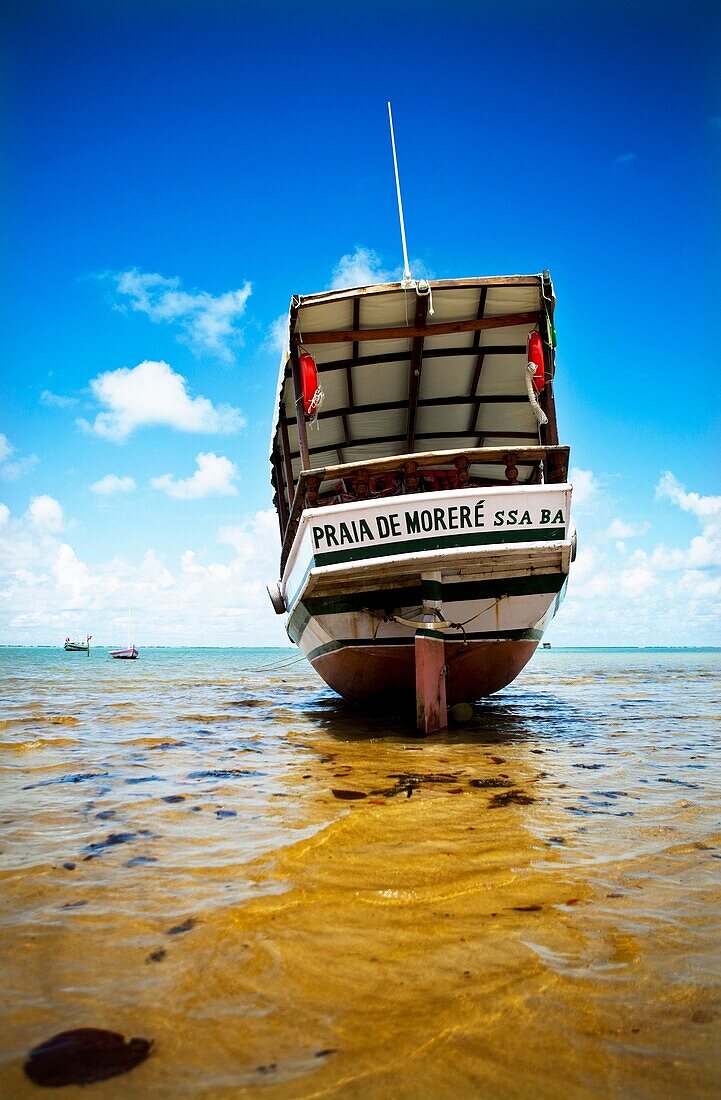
{"x": 398, "y": 380}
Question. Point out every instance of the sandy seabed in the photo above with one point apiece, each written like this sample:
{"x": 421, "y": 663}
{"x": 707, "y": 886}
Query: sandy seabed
{"x": 208, "y": 849}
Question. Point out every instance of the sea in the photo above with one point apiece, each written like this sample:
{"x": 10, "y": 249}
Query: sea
{"x": 208, "y": 849}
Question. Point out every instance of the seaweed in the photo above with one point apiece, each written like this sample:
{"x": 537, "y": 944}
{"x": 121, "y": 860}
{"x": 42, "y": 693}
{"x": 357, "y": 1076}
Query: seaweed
{"x": 84, "y": 1055}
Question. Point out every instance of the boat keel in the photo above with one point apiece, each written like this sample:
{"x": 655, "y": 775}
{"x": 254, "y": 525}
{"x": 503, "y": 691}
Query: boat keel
{"x": 431, "y": 673}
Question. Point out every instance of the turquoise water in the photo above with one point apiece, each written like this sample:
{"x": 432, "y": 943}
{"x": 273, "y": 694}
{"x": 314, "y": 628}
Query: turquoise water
{"x": 526, "y": 905}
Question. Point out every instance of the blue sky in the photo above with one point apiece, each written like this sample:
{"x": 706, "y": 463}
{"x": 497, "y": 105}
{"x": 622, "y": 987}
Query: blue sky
{"x": 178, "y": 170}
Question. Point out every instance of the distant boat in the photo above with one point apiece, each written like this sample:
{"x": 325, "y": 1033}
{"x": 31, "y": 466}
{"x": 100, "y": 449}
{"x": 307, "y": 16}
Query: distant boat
{"x": 78, "y": 647}
{"x": 130, "y": 653}
{"x": 546, "y": 645}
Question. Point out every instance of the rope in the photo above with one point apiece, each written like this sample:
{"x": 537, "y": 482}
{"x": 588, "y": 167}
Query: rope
{"x": 538, "y": 412}
{"x": 423, "y": 289}
{"x": 273, "y": 668}
{"x": 439, "y": 624}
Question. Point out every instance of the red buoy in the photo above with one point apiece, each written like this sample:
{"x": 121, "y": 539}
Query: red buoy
{"x": 535, "y": 356}
{"x": 312, "y": 393}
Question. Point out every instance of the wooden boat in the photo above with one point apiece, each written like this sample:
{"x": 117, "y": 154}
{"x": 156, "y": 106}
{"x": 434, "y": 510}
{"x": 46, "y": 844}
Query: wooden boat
{"x": 78, "y": 646}
{"x": 130, "y": 653}
{"x": 425, "y": 509}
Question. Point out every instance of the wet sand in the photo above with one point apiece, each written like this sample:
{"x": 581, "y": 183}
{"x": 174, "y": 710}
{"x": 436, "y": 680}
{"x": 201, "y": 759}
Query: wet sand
{"x": 528, "y": 905}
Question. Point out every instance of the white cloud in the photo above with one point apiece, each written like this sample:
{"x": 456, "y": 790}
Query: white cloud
{"x": 11, "y": 471}
{"x": 56, "y": 400}
{"x": 72, "y": 574}
{"x": 363, "y": 267}
{"x": 208, "y": 322}
{"x": 704, "y": 550}
{"x": 244, "y": 537}
{"x": 154, "y": 394}
{"x": 46, "y": 513}
{"x": 661, "y": 595}
{"x": 620, "y": 529}
{"x": 670, "y": 488}
{"x": 214, "y": 477}
{"x": 111, "y": 484}
{"x": 276, "y": 338}
{"x": 586, "y": 488}
{"x": 4, "y": 514}
{"x": 202, "y": 597}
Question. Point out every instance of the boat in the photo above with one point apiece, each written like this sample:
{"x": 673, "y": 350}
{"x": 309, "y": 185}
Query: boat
{"x": 130, "y": 653}
{"x": 546, "y": 645}
{"x": 78, "y": 646}
{"x": 421, "y": 490}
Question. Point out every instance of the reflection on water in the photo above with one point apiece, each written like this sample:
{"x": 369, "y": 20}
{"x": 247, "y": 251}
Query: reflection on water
{"x": 525, "y": 905}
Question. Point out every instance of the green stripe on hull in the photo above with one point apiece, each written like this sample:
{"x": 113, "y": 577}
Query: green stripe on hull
{"x": 482, "y": 636}
{"x": 396, "y": 598}
{"x": 442, "y": 542}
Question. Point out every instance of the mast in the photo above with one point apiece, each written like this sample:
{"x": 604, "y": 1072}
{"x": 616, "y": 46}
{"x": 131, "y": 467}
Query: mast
{"x": 406, "y": 268}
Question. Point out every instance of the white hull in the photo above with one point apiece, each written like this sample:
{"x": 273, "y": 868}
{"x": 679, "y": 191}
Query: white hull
{"x": 363, "y": 579}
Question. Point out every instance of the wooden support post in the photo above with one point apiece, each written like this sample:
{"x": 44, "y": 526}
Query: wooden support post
{"x": 461, "y": 464}
{"x": 362, "y": 484}
{"x": 431, "y": 709}
{"x": 312, "y": 485}
{"x": 287, "y": 461}
{"x": 299, "y": 410}
{"x": 410, "y": 471}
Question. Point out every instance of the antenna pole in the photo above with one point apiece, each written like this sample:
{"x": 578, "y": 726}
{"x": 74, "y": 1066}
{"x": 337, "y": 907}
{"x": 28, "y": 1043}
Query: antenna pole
{"x": 406, "y": 268}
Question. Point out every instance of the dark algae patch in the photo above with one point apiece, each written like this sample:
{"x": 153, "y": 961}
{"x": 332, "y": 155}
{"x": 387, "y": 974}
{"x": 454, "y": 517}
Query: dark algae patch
{"x": 78, "y": 777}
{"x": 403, "y": 778}
{"x": 347, "y": 796}
{"x": 84, "y": 1055}
{"x": 226, "y": 773}
{"x": 184, "y": 926}
{"x": 491, "y": 782}
{"x": 508, "y": 798}
{"x": 111, "y": 841}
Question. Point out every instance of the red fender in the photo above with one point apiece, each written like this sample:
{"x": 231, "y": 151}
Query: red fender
{"x": 535, "y": 356}
{"x": 312, "y": 393}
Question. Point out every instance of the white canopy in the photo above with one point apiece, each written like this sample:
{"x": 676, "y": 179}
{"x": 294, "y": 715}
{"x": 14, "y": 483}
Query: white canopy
{"x": 416, "y": 381}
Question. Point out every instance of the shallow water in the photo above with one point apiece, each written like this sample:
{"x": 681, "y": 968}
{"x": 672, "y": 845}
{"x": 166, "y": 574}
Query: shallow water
{"x": 175, "y": 865}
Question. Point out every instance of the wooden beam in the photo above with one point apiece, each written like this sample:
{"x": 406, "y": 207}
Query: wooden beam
{"x": 298, "y": 389}
{"x": 349, "y": 370}
{"x": 425, "y": 402}
{"x": 277, "y": 482}
{"x": 354, "y": 355}
{"x": 407, "y": 332}
{"x": 404, "y": 356}
{"x": 421, "y": 435}
{"x": 549, "y": 431}
{"x": 414, "y": 375}
{"x": 488, "y": 455}
{"x": 480, "y": 356}
{"x": 287, "y": 457}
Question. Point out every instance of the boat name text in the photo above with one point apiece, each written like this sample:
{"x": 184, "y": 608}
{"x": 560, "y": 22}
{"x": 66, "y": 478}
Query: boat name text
{"x": 430, "y": 521}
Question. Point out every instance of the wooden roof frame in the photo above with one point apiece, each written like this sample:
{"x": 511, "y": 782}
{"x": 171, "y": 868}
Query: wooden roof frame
{"x": 283, "y": 455}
